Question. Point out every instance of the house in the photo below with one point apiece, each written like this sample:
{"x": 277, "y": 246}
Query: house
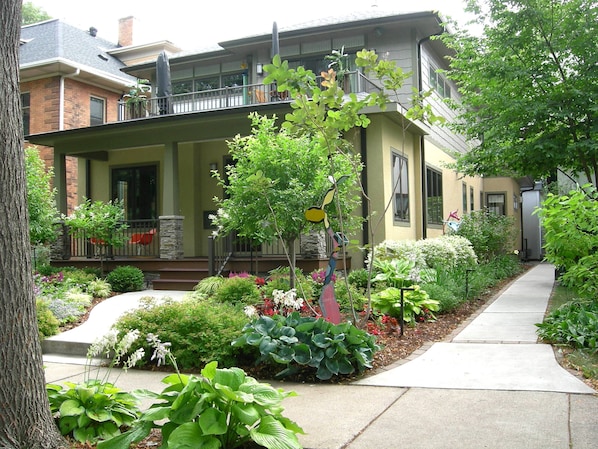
{"x": 72, "y": 78}
{"x": 158, "y": 157}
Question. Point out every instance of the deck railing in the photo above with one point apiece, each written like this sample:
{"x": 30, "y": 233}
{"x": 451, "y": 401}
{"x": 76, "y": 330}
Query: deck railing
{"x": 224, "y": 98}
{"x": 141, "y": 239}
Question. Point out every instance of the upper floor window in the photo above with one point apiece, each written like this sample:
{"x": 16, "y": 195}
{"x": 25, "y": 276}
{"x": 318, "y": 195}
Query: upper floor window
{"x": 464, "y": 198}
{"x": 439, "y": 83}
{"x": 471, "y": 196}
{"x": 434, "y": 195}
{"x": 97, "y": 111}
{"x": 207, "y": 83}
{"x": 400, "y": 187}
{"x": 26, "y": 110}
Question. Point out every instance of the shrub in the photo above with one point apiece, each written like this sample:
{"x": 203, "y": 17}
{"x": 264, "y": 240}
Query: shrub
{"x": 359, "y": 278}
{"x": 296, "y": 341}
{"x": 574, "y": 323}
{"x": 403, "y": 249}
{"x": 238, "y": 290}
{"x": 447, "y": 299}
{"x": 47, "y": 323}
{"x": 199, "y": 331}
{"x": 209, "y": 286}
{"x": 345, "y": 295}
{"x": 99, "y": 288}
{"x": 126, "y": 279}
{"x": 490, "y": 234}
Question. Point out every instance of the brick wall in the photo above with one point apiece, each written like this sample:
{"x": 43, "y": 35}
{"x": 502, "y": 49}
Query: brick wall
{"x": 45, "y": 117}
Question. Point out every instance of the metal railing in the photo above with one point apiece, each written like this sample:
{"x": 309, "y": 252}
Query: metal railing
{"x": 140, "y": 239}
{"x": 224, "y": 98}
{"x": 222, "y": 249}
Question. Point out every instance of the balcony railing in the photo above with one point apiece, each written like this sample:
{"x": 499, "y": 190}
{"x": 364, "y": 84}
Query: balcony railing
{"x": 224, "y": 98}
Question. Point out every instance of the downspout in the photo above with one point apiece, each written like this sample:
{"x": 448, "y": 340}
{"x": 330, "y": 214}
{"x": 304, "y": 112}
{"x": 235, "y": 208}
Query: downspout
{"x": 61, "y": 97}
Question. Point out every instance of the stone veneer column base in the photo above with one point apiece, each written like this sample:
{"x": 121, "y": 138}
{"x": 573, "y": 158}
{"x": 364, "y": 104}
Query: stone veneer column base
{"x": 171, "y": 237}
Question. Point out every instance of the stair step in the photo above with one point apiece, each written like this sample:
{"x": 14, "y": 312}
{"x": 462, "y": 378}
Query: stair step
{"x": 195, "y": 274}
{"x": 54, "y": 345}
{"x": 174, "y": 284}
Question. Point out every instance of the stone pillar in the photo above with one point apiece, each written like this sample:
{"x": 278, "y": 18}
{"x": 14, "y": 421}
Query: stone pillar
{"x": 60, "y": 249}
{"x": 171, "y": 237}
{"x": 313, "y": 245}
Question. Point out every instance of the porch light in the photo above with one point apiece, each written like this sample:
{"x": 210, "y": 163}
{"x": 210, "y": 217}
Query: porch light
{"x": 213, "y": 167}
{"x": 259, "y": 68}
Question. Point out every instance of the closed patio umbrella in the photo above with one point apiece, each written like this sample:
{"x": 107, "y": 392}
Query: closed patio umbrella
{"x": 275, "y": 43}
{"x": 163, "y": 84}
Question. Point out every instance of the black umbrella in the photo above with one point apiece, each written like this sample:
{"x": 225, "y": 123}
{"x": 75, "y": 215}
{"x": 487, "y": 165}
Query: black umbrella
{"x": 275, "y": 43}
{"x": 163, "y": 84}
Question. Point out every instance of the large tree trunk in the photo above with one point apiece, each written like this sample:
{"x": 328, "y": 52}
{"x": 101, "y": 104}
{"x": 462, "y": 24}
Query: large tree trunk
{"x": 25, "y": 419}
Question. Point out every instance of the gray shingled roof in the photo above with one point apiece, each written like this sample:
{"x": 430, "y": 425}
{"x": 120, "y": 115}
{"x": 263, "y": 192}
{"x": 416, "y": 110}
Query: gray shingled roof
{"x": 54, "y": 39}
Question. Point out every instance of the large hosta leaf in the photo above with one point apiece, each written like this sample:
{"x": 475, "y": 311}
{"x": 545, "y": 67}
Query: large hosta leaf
{"x": 273, "y": 435}
{"x": 71, "y": 407}
{"x": 213, "y": 422}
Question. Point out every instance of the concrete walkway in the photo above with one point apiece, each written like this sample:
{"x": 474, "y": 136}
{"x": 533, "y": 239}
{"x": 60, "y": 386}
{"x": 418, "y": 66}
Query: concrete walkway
{"x": 490, "y": 385}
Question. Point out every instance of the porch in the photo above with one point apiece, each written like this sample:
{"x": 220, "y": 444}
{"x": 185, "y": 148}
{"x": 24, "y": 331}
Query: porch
{"x": 145, "y": 246}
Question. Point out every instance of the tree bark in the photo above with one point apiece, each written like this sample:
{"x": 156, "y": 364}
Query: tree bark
{"x": 25, "y": 418}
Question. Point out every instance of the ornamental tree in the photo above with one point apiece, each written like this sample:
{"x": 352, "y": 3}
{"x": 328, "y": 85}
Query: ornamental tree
{"x": 275, "y": 177}
{"x": 529, "y": 88}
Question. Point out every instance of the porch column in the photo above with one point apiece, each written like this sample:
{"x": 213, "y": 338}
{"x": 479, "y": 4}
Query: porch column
{"x": 171, "y": 223}
{"x": 60, "y": 181}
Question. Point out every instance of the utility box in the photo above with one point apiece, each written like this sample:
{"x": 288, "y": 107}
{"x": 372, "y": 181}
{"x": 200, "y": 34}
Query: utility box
{"x": 530, "y": 223}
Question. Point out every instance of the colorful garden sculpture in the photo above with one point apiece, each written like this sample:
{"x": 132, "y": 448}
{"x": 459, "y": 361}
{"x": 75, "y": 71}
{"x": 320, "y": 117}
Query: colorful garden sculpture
{"x": 315, "y": 214}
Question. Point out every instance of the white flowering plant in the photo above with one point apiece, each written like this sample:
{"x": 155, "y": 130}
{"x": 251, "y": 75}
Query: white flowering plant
{"x": 95, "y": 409}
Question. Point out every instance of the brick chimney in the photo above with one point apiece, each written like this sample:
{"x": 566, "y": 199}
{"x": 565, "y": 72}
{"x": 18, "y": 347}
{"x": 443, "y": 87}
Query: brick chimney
{"x": 125, "y": 31}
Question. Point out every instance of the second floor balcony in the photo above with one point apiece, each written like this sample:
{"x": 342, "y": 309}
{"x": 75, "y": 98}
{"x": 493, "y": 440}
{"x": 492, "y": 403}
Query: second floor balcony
{"x": 223, "y": 98}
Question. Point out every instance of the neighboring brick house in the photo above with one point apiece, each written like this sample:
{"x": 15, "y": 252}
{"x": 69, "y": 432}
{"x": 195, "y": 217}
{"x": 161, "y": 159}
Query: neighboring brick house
{"x": 69, "y": 79}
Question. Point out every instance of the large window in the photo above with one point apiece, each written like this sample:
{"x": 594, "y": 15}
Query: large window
{"x": 400, "y": 186}
{"x": 137, "y": 187}
{"x": 496, "y": 203}
{"x": 207, "y": 83}
{"x": 464, "y": 194}
{"x": 26, "y": 109}
{"x": 471, "y": 195}
{"x": 434, "y": 195}
{"x": 97, "y": 111}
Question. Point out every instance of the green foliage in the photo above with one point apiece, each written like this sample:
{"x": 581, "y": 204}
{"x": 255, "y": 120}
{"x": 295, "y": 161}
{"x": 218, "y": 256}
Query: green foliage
{"x": 238, "y": 290}
{"x": 296, "y": 341}
{"x": 446, "y": 297}
{"x": 101, "y": 221}
{"x": 99, "y": 288}
{"x": 92, "y": 410}
{"x": 574, "y": 324}
{"x": 40, "y": 199}
{"x": 571, "y": 237}
{"x": 275, "y": 178}
{"x": 416, "y": 303}
{"x": 126, "y": 278}
{"x": 47, "y": 324}
{"x": 348, "y": 297}
{"x": 446, "y": 252}
{"x": 490, "y": 234}
{"x": 528, "y": 86}
{"x": 359, "y": 278}
{"x": 209, "y": 286}
{"x": 95, "y": 409}
{"x": 224, "y": 408}
{"x": 199, "y": 331}
{"x": 33, "y": 14}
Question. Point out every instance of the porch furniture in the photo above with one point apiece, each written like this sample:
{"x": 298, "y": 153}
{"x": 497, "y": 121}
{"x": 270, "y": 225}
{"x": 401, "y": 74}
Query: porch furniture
{"x": 142, "y": 239}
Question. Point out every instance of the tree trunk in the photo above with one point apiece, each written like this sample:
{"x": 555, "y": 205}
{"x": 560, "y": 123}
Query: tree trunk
{"x": 292, "y": 262}
{"x": 25, "y": 419}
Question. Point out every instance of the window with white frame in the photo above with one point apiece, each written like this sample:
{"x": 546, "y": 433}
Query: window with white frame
{"x": 434, "y": 195}
{"x": 400, "y": 187}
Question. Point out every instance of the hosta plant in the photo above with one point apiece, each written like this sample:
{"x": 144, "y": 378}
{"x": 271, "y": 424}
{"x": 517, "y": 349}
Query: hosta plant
{"x": 297, "y": 341}
{"x": 222, "y": 409}
{"x": 416, "y": 303}
{"x": 95, "y": 409}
